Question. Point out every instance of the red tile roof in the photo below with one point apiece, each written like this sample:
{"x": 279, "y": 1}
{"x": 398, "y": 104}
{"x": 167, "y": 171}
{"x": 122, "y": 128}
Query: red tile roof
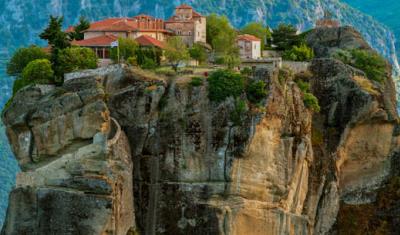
{"x": 146, "y": 40}
{"x": 103, "y": 41}
{"x": 141, "y": 23}
{"x": 70, "y": 29}
{"x": 248, "y": 37}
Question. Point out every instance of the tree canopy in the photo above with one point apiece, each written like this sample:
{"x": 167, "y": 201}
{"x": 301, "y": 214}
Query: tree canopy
{"x": 54, "y": 34}
{"x": 220, "y": 34}
{"x": 22, "y": 57}
{"x": 127, "y": 48}
{"x": 257, "y": 29}
{"x": 198, "y": 52}
{"x": 285, "y": 37}
{"x": 38, "y": 70}
{"x": 176, "y": 51}
{"x": 82, "y": 25}
{"x": 76, "y": 58}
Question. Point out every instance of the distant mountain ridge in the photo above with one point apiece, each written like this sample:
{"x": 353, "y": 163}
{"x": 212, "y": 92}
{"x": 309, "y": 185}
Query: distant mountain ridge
{"x": 386, "y": 13}
{"x": 21, "y": 21}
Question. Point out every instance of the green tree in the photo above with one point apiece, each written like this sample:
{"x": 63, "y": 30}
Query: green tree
{"x": 76, "y": 58}
{"x": 176, "y": 52}
{"x": 220, "y": 34}
{"x": 256, "y": 91}
{"x": 82, "y": 25}
{"x": 54, "y": 34}
{"x": 198, "y": 52}
{"x": 225, "y": 83}
{"x": 127, "y": 48}
{"x": 57, "y": 40}
{"x": 145, "y": 54}
{"x": 258, "y": 30}
{"x": 39, "y": 71}
{"x": 299, "y": 53}
{"x": 285, "y": 37}
{"x": 22, "y": 57}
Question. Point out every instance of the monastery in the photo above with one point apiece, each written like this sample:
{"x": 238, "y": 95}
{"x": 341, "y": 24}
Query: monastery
{"x": 146, "y": 30}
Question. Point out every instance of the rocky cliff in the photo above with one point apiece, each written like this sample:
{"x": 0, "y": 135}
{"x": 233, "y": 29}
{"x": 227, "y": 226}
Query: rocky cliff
{"x": 122, "y": 151}
{"x": 22, "y": 21}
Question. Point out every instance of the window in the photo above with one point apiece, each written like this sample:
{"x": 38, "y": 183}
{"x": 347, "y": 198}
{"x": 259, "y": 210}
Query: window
{"x": 190, "y": 33}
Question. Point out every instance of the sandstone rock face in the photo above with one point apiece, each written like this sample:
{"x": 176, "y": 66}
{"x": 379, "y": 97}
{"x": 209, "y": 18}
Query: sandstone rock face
{"x": 325, "y": 41}
{"x": 77, "y": 176}
{"x": 120, "y": 151}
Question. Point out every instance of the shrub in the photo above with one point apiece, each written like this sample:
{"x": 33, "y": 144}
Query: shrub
{"x": 304, "y": 86}
{"x": 38, "y": 70}
{"x": 246, "y": 71}
{"x": 153, "y": 53}
{"x": 299, "y": 53}
{"x": 370, "y": 62}
{"x": 165, "y": 71}
{"x": 236, "y": 115}
{"x": 22, "y": 57}
{"x": 311, "y": 102}
{"x": 225, "y": 83}
{"x": 131, "y": 61}
{"x": 196, "y": 81}
{"x": 76, "y": 58}
{"x": 148, "y": 64}
{"x": 256, "y": 91}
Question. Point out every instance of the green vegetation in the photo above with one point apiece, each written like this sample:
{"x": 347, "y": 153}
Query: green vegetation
{"x": 127, "y": 48}
{"x": 82, "y": 25}
{"x": 58, "y": 40}
{"x": 258, "y": 30}
{"x": 76, "y": 58}
{"x": 167, "y": 71}
{"x": 256, "y": 92}
{"x": 222, "y": 37}
{"x": 198, "y": 52}
{"x": 236, "y": 116}
{"x": 38, "y": 70}
{"x": 176, "y": 52}
{"x": 148, "y": 57}
{"x": 304, "y": 86}
{"x": 299, "y": 53}
{"x": 310, "y": 101}
{"x": 285, "y": 37}
{"x": 22, "y": 57}
{"x": 196, "y": 81}
{"x": 225, "y": 83}
{"x": 246, "y": 71}
{"x": 370, "y": 62}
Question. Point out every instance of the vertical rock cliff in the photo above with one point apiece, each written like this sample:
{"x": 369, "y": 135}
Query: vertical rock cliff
{"x": 122, "y": 151}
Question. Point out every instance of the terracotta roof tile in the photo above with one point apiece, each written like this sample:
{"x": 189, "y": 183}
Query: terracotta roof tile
{"x": 248, "y": 37}
{"x": 146, "y": 40}
{"x": 104, "y": 40}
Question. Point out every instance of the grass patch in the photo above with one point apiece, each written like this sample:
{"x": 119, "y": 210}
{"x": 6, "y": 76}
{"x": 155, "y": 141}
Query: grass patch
{"x": 366, "y": 85}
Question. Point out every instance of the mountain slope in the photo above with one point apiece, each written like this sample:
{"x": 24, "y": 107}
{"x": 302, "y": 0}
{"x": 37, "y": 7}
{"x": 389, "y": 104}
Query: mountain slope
{"x": 385, "y": 13}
